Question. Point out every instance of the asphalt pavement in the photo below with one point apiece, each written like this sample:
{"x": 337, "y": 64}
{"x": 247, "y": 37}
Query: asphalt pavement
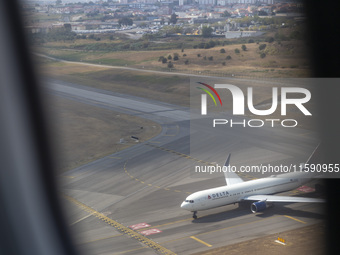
{"x": 129, "y": 202}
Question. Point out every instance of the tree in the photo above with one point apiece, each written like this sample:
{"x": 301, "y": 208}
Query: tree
{"x": 211, "y": 58}
{"x": 68, "y": 27}
{"x": 237, "y": 51}
{"x": 226, "y": 14}
{"x": 270, "y": 39}
{"x": 206, "y": 31}
{"x": 263, "y": 55}
{"x": 170, "y": 64}
{"x": 202, "y": 45}
{"x": 169, "y": 57}
{"x": 186, "y": 62}
{"x": 228, "y": 57}
{"x": 244, "y": 48}
{"x": 263, "y": 13}
{"x": 173, "y": 18}
{"x": 164, "y": 60}
{"x": 222, "y": 50}
{"x": 125, "y": 21}
{"x": 176, "y": 58}
{"x": 262, "y": 46}
{"x": 212, "y": 44}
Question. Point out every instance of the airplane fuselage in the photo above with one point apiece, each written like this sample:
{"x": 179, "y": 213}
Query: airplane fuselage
{"x": 224, "y": 195}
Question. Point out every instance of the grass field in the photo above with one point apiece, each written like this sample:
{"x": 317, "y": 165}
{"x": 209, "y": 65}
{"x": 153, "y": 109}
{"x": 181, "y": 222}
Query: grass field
{"x": 171, "y": 89}
{"x": 82, "y": 133}
{"x": 282, "y": 59}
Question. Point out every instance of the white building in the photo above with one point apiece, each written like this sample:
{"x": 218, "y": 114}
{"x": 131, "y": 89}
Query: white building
{"x": 239, "y": 34}
{"x": 226, "y": 2}
{"x": 207, "y": 2}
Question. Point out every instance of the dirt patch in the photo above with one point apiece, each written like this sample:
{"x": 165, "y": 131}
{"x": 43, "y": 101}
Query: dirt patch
{"x": 307, "y": 240}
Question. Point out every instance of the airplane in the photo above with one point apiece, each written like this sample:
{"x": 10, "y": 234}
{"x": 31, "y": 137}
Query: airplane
{"x": 259, "y": 192}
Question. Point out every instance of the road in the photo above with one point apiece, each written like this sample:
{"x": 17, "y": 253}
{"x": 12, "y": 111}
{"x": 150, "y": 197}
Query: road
{"x": 143, "y": 186}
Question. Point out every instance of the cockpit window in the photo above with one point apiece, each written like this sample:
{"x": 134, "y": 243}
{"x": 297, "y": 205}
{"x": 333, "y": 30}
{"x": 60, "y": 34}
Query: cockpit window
{"x": 189, "y": 201}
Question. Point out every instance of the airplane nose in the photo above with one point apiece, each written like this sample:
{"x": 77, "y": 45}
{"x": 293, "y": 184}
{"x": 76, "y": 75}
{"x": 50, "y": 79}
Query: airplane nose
{"x": 185, "y": 206}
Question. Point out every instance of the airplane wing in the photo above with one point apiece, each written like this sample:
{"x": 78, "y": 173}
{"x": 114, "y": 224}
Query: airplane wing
{"x": 231, "y": 177}
{"x": 283, "y": 199}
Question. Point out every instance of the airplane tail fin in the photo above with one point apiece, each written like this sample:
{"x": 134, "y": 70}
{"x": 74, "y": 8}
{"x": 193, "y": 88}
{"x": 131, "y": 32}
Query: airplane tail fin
{"x": 228, "y": 160}
{"x": 231, "y": 178}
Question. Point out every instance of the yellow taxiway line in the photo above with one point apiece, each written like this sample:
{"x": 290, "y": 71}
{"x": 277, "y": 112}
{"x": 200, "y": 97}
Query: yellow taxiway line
{"x": 292, "y": 218}
{"x": 200, "y": 241}
{"x": 129, "y": 232}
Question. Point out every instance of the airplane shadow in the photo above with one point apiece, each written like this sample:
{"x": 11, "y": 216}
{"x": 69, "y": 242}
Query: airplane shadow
{"x": 277, "y": 209}
{"x": 221, "y": 216}
{"x": 281, "y": 209}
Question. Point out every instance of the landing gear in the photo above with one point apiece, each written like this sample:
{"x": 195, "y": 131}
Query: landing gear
{"x": 195, "y": 215}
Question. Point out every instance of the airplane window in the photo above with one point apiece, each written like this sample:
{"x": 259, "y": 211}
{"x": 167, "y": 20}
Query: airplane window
{"x": 115, "y": 93}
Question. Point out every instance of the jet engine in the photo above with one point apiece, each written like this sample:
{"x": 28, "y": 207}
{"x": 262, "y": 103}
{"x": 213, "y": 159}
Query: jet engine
{"x": 259, "y": 206}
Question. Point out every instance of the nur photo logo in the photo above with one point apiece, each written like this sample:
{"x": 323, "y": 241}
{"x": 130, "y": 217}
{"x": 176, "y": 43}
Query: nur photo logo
{"x": 279, "y": 96}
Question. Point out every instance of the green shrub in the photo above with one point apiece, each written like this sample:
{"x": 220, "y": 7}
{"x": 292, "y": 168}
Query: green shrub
{"x": 262, "y": 46}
